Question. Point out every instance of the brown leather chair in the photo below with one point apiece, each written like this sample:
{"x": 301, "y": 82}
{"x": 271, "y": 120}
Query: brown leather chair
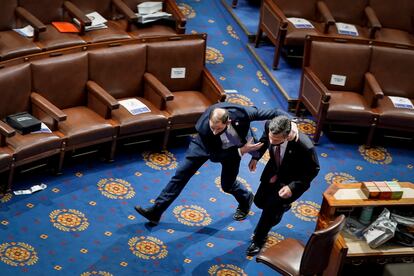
{"x": 397, "y": 20}
{"x": 273, "y": 21}
{"x": 62, "y": 89}
{"x": 157, "y": 28}
{"x": 291, "y": 257}
{"x": 126, "y": 67}
{"x": 40, "y": 14}
{"x": 13, "y": 44}
{"x": 330, "y": 101}
{"x": 105, "y": 8}
{"x": 6, "y": 158}
{"x": 15, "y": 86}
{"x": 194, "y": 90}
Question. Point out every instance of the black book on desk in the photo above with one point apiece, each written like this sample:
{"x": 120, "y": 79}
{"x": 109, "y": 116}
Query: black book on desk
{"x": 23, "y": 122}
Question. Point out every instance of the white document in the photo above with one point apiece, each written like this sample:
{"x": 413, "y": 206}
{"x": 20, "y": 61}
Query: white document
{"x": 27, "y": 31}
{"x": 98, "y": 21}
{"x": 178, "y": 73}
{"x": 346, "y": 29}
{"x": 134, "y": 106}
{"x": 230, "y": 91}
{"x": 400, "y": 102}
{"x": 146, "y": 18}
{"x": 149, "y": 7}
{"x": 338, "y": 80}
{"x": 43, "y": 129}
{"x": 300, "y": 23}
{"x": 32, "y": 190}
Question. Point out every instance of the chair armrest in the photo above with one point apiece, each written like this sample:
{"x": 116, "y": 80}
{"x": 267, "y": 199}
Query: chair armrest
{"x": 125, "y": 11}
{"x": 156, "y": 92}
{"x": 75, "y": 12}
{"x": 373, "y": 22}
{"x": 44, "y": 110}
{"x": 6, "y": 130}
{"x": 100, "y": 100}
{"x": 37, "y": 25}
{"x": 326, "y": 15}
{"x": 211, "y": 88}
{"x": 372, "y": 90}
{"x": 181, "y": 21}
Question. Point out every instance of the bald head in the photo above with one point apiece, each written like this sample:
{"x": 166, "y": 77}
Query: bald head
{"x": 218, "y": 120}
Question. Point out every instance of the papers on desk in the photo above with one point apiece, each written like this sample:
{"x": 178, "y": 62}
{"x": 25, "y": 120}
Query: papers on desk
{"x": 27, "y": 31}
{"x": 300, "y": 23}
{"x": 346, "y": 29}
{"x": 98, "y": 21}
{"x": 134, "y": 106}
{"x": 400, "y": 102}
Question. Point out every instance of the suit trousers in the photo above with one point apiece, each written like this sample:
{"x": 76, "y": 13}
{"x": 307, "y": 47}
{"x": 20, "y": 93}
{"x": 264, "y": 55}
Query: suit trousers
{"x": 195, "y": 157}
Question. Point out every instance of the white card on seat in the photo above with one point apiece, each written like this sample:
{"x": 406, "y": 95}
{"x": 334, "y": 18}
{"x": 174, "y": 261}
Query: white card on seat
{"x": 346, "y": 29}
{"x": 134, "y": 106}
{"x": 300, "y": 23}
{"x": 401, "y": 102}
{"x": 338, "y": 80}
{"x": 178, "y": 73}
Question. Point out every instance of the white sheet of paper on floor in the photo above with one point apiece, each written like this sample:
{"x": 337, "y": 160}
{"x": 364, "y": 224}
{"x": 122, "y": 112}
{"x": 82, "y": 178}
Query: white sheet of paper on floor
{"x": 401, "y": 102}
{"x": 27, "y": 31}
{"x": 43, "y": 129}
{"x": 300, "y": 23}
{"x": 32, "y": 189}
{"x": 338, "y": 80}
{"x": 178, "y": 73}
{"x": 346, "y": 29}
{"x": 230, "y": 91}
{"x": 134, "y": 106}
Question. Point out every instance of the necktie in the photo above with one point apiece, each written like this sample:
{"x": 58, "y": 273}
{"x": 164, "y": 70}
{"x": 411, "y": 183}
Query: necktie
{"x": 276, "y": 155}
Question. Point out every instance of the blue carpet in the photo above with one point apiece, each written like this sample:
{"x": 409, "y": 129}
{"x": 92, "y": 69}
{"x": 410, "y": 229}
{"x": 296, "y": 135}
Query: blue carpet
{"x": 84, "y": 222}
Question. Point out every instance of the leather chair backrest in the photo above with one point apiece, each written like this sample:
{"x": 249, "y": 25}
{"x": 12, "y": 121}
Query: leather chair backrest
{"x": 103, "y": 7}
{"x": 344, "y": 59}
{"x": 119, "y": 70}
{"x": 7, "y": 15}
{"x": 298, "y": 8}
{"x": 351, "y": 12}
{"x": 15, "y": 89}
{"x": 132, "y": 4}
{"x": 396, "y": 14}
{"x": 393, "y": 68}
{"x": 62, "y": 79}
{"x": 45, "y": 10}
{"x": 318, "y": 249}
{"x": 162, "y": 57}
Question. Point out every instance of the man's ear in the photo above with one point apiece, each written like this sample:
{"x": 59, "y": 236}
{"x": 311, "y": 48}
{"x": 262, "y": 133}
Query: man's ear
{"x": 228, "y": 122}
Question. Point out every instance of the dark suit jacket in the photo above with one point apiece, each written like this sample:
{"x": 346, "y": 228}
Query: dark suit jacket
{"x": 299, "y": 165}
{"x": 210, "y": 145}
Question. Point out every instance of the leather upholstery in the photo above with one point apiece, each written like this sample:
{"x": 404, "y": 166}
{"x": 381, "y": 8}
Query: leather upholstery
{"x": 291, "y": 257}
{"x": 5, "y": 159}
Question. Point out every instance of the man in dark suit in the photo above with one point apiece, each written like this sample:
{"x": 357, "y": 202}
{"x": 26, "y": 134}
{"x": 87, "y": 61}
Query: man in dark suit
{"x": 222, "y": 137}
{"x": 292, "y": 165}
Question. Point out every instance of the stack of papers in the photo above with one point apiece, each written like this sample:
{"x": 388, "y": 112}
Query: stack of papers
{"x": 300, "y": 23}
{"x": 151, "y": 11}
{"x": 400, "y": 102}
{"x": 346, "y": 29}
{"x": 27, "y": 31}
{"x": 98, "y": 21}
{"x": 149, "y": 7}
{"x": 134, "y": 106}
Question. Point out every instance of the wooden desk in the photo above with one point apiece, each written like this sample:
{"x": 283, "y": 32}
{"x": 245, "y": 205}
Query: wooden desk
{"x": 346, "y": 198}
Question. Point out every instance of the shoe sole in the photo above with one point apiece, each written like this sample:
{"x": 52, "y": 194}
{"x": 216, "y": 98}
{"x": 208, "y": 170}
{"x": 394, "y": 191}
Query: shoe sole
{"x": 142, "y": 214}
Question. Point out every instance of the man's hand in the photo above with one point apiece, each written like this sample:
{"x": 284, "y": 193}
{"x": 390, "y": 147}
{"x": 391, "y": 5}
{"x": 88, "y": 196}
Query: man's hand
{"x": 250, "y": 146}
{"x": 252, "y": 165}
{"x": 294, "y": 132}
{"x": 285, "y": 192}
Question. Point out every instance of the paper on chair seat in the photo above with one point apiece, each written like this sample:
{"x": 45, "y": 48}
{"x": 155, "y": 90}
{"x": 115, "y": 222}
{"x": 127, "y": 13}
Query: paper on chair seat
{"x": 346, "y": 29}
{"x": 146, "y": 18}
{"x": 400, "y": 102}
{"x": 300, "y": 23}
{"x": 134, "y": 106}
{"x": 43, "y": 129}
{"x": 98, "y": 21}
{"x": 27, "y": 31}
{"x": 149, "y": 7}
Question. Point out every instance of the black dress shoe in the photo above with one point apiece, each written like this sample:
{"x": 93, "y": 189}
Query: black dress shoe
{"x": 148, "y": 214}
{"x": 253, "y": 249}
{"x": 241, "y": 213}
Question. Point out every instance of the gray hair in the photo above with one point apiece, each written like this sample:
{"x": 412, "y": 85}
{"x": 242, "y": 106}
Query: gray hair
{"x": 280, "y": 125}
{"x": 219, "y": 115}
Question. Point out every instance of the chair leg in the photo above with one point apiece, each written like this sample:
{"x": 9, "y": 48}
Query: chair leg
{"x": 166, "y": 136}
{"x": 113, "y": 149}
{"x": 298, "y": 104}
{"x": 258, "y": 37}
{"x": 276, "y": 57}
{"x": 370, "y": 137}
{"x": 60, "y": 161}
{"x": 234, "y": 3}
{"x": 10, "y": 178}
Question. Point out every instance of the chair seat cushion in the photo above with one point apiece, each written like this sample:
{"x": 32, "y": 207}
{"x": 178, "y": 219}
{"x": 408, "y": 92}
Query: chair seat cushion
{"x": 148, "y": 30}
{"x": 129, "y": 124}
{"x": 391, "y": 116}
{"x": 5, "y": 160}
{"x": 13, "y": 45}
{"x": 363, "y": 32}
{"x": 187, "y": 107}
{"x": 394, "y": 36}
{"x": 84, "y": 126}
{"x": 351, "y": 107}
{"x": 30, "y": 145}
{"x": 296, "y": 37}
{"x": 53, "y": 39}
{"x": 113, "y": 32}
{"x": 284, "y": 256}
